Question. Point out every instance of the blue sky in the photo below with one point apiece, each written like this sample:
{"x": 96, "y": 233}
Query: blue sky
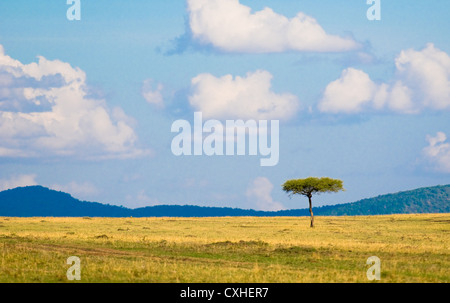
{"x": 87, "y": 106}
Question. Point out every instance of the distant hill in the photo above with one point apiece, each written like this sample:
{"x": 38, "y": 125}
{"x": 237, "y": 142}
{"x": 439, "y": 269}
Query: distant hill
{"x": 38, "y": 201}
{"x": 434, "y": 199}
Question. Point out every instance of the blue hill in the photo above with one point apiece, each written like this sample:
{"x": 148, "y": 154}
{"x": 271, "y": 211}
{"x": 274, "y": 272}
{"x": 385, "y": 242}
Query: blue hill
{"x": 38, "y": 201}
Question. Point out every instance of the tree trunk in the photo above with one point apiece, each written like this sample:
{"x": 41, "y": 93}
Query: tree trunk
{"x": 310, "y": 211}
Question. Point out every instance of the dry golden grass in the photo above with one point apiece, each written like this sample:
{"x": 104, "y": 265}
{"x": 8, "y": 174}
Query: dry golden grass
{"x": 412, "y": 248}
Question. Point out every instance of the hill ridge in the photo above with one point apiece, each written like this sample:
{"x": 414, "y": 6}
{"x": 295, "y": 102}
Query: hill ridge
{"x": 39, "y": 201}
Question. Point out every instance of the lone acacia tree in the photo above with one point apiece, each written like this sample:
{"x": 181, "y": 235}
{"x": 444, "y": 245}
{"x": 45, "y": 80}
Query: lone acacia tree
{"x": 309, "y": 186}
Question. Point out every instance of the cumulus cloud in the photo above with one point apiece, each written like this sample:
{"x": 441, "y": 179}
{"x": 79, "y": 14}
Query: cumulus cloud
{"x": 428, "y": 73}
{"x": 46, "y": 110}
{"x": 349, "y": 93}
{"x": 152, "y": 93}
{"x": 438, "y": 152}
{"x": 259, "y": 195}
{"x": 232, "y": 27}
{"x": 422, "y": 81}
{"x": 238, "y": 97}
{"x": 18, "y": 181}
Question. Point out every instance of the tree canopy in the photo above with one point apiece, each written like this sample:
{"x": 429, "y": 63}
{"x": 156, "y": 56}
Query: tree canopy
{"x": 312, "y": 185}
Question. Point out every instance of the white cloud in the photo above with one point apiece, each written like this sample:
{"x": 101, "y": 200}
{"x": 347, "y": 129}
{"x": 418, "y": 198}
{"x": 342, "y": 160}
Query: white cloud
{"x": 247, "y": 97}
{"x": 422, "y": 82}
{"x": 46, "y": 110}
{"x": 428, "y": 73}
{"x": 349, "y": 94}
{"x": 233, "y": 27}
{"x": 438, "y": 152}
{"x": 151, "y": 94}
{"x": 259, "y": 195}
{"x": 17, "y": 180}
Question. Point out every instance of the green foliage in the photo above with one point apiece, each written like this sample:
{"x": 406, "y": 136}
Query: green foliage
{"x": 312, "y": 185}
{"x": 434, "y": 199}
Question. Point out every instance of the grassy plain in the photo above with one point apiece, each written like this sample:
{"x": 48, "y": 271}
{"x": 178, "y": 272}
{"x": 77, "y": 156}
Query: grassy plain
{"x": 412, "y": 248}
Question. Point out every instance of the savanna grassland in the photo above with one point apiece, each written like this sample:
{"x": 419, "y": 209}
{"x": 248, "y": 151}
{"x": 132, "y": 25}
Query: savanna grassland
{"x": 412, "y": 248}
